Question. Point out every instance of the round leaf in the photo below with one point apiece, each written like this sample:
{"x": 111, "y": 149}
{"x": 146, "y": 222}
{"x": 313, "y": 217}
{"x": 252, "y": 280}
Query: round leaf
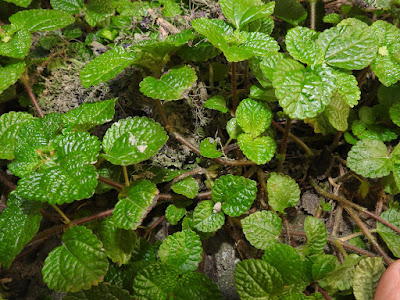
{"x": 366, "y": 277}
{"x": 206, "y": 219}
{"x": 323, "y": 265}
{"x": 253, "y": 116}
{"x": 209, "y": 149}
{"x": 188, "y": 187}
{"x": 101, "y": 291}
{"x": 132, "y": 140}
{"x": 233, "y": 128}
{"x": 173, "y": 214}
{"x": 181, "y": 251}
{"x": 395, "y": 114}
{"x": 218, "y": 103}
{"x": 259, "y": 150}
{"x": 283, "y": 192}
{"x": 195, "y": 285}
{"x": 262, "y": 228}
{"x": 235, "y": 193}
{"x": 78, "y": 264}
{"x": 10, "y": 74}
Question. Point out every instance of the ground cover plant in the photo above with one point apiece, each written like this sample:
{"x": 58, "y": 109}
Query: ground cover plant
{"x": 134, "y": 134}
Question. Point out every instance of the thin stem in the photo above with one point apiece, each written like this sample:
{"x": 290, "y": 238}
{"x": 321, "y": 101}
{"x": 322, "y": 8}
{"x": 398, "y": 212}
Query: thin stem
{"x": 355, "y": 234}
{"x": 109, "y": 182}
{"x": 246, "y": 75}
{"x": 368, "y": 234}
{"x": 126, "y": 176}
{"x": 234, "y": 92}
{"x": 32, "y": 96}
{"x": 284, "y": 144}
{"x": 163, "y": 115}
{"x": 323, "y": 292}
{"x": 298, "y": 141}
{"x": 313, "y": 4}
{"x": 61, "y": 213}
{"x": 211, "y": 75}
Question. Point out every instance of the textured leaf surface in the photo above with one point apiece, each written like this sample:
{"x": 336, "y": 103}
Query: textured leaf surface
{"x": 78, "y": 264}
{"x": 386, "y": 65}
{"x": 89, "y": 115}
{"x": 287, "y": 261}
{"x": 23, "y": 3}
{"x": 206, "y": 219}
{"x": 323, "y": 265}
{"x": 337, "y": 112}
{"x": 10, "y": 74}
{"x": 69, "y": 6}
{"x": 118, "y": 243}
{"x": 300, "y": 42}
{"x": 19, "y": 222}
{"x": 350, "y": 45}
{"x": 302, "y": 92}
{"x": 188, "y": 187}
{"x": 391, "y": 238}
{"x": 283, "y": 192}
{"x": 236, "y": 194}
{"x": 171, "y": 86}
{"x": 174, "y": 214}
{"x": 253, "y": 116}
{"x": 264, "y": 67}
{"x": 218, "y": 103}
{"x": 199, "y": 52}
{"x": 295, "y": 15}
{"x": 256, "y": 279}
{"x": 34, "y": 20}
{"x": 241, "y": 12}
{"x": 372, "y": 131}
{"x": 394, "y": 113}
{"x": 195, "y": 285}
{"x": 101, "y": 291}
{"x": 133, "y": 207}
{"x": 10, "y": 123}
{"x": 262, "y": 229}
{"x": 259, "y": 150}
{"x": 209, "y": 149}
{"x": 132, "y": 140}
{"x": 347, "y": 87}
{"x": 233, "y": 129}
{"x": 98, "y": 10}
{"x": 369, "y": 158}
{"x": 106, "y": 66}
{"x": 214, "y": 30}
{"x": 64, "y": 181}
{"x": 18, "y": 46}
{"x": 181, "y": 251}
{"x": 316, "y": 235}
{"x": 366, "y": 277}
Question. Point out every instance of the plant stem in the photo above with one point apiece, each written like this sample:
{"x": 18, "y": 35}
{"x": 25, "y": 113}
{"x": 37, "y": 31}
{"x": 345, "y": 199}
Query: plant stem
{"x": 351, "y": 204}
{"x": 246, "y": 75}
{"x": 163, "y": 115}
{"x": 197, "y": 170}
{"x": 355, "y": 234}
{"x": 7, "y": 182}
{"x": 313, "y": 4}
{"x": 55, "y": 207}
{"x": 368, "y": 234}
{"x": 109, "y": 182}
{"x": 126, "y": 176}
{"x": 234, "y": 92}
{"x": 284, "y": 144}
{"x": 298, "y": 141}
{"x": 32, "y": 96}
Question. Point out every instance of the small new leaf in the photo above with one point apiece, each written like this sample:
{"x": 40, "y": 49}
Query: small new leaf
{"x": 253, "y": 116}
{"x": 259, "y": 150}
{"x": 316, "y": 235}
{"x": 283, "y": 192}
{"x": 217, "y": 102}
{"x": 209, "y": 149}
{"x": 69, "y": 6}
{"x": 188, "y": 187}
{"x": 10, "y": 74}
{"x": 206, "y": 219}
{"x": 78, "y": 264}
{"x": 174, "y": 214}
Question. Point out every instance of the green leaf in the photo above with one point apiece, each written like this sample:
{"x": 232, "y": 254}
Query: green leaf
{"x": 78, "y": 264}
{"x": 302, "y": 92}
{"x": 69, "y": 6}
{"x": 372, "y": 132}
{"x": 233, "y": 129}
{"x": 391, "y": 238}
{"x": 294, "y": 296}
{"x": 263, "y": 25}
{"x": 218, "y": 103}
{"x": 295, "y": 15}
{"x": 386, "y": 64}
{"x": 106, "y": 66}
{"x": 23, "y": 3}
{"x": 288, "y": 262}
{"x": 257, "y": 279}
{"x": 171, "y": 8}
{"x": 264, "y": 94}
{"x": 173, "y": 85}
{"x": 283, "y": 192}
{"x": 62, "y": 181}
{"x": 156, "y": 281}
{"x": 10, "y": 74}
{"x": 208, "y": 217}
{"x": 316, "y": 235}
{"x": 214, "y": 30}
{"x": 181, "y": 251}
{"x": 239, "y": 13}
{"x": 300, "y": 42}
{"x": 323, "y": 265}
{"x": 101, "y": 291}
{"x": 366, "y": 277}
{"x": 195, "y": 285}
{"x": 347, "y": 87}
{"x": 262, "y": 229}
{"x": 394, "y": 113}
{"x": 18, "y": 46}
{"x": 208, "y": 148}
{"x": 235, "y": 193}
{"x": 264, "y": 67}
{"x": 98, "y": 10}
{"x": 174, "y": 214}
{"x": 332, "y": 18}
{"x": 337, "y": 112}
{"x": 118, "y": 243}
{"x": 259, "y": 150}
{"x": 350, "y": 45}
{"x": 34, "y": 20}
{"x": 134, "y": 204}
{"x": 369, "y": 158}
{"x": 10, "y": 123}
{"x": 188, "y": 187}
{"x": 132, "y": 140}
{"x": 199, "y": 52}
{"x": 253, "y": 116}
{"x": 89, "y": 115}
{"x": 19, "y": 222}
